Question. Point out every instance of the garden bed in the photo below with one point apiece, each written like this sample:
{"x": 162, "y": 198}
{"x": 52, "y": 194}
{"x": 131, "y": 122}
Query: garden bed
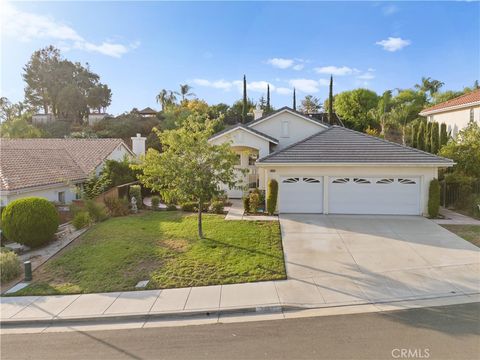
{"x": 163, "y": 247}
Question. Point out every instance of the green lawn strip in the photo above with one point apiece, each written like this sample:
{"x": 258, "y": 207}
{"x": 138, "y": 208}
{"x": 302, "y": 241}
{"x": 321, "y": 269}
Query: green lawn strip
{"x": 470, "y": 233}
{"x": 163, "y": 247}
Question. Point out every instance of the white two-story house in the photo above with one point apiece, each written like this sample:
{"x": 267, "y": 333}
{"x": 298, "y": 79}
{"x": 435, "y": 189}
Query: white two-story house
{"x": 329, "y": 169}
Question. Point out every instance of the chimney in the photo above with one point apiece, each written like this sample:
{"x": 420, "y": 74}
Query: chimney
{"x": 138, "y": 145}
{"x": 257, "y": 113}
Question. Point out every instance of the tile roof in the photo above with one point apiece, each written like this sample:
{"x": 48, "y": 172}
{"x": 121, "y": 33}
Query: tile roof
{"x": 342, "y": 145}
{"x": 242, "y": 126}
{"x": 35, "y": 162}
{"x": 463, "y": 100}
{"x": 147, "y": 110}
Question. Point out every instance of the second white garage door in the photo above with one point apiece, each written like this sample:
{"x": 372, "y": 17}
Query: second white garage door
{"x": 301, "y": 195}
{"x": 362, "y": 195}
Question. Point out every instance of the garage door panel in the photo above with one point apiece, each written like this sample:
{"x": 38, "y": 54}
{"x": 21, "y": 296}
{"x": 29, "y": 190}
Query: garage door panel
{"x": 301, "y": 194}
{"x": 361, "y": 195}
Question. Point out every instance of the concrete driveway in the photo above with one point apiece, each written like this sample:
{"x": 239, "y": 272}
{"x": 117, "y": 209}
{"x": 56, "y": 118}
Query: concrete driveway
{"x": 340, "y": 259}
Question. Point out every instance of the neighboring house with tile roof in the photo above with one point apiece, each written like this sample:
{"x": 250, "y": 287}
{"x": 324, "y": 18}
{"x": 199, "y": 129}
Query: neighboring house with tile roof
{"x": 53, "y": 168}
{"x": 329, "y": 169}
{"x": 456, "y": 113}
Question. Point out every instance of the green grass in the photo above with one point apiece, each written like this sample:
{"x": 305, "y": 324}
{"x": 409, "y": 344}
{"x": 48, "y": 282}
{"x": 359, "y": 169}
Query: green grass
{"x": 470, "y": 233}
{"x": 163, "y": 247}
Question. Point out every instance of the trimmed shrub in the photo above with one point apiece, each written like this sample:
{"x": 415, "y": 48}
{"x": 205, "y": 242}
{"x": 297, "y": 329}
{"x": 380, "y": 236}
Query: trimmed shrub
{"x": 10, "y": 266}
{"x": 190, "y": 206}
{"x": 117, "y": 207}
{"x": 475, "y": 211}
{"x": 136, "y": 192}
{"x": 97, "y": 211}
{"x": 254, "y": 202}
{"x": 433, "y": 198}
{"x": 82, "y": 219}
{"x": 443, "y": 134}
{"x": 155, "y": 202}
{"x": 421, "y": 136}
{"x": 246, "y": 203}
{"x": 30, "y": 221}
{"x": 435, "y": 139}
{"x": 218, "y": 207}
{"x": 272, "y": 196}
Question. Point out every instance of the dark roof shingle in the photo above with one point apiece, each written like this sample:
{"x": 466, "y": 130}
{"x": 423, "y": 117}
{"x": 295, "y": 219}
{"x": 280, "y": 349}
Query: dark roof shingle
{"x": 341, "y": 145}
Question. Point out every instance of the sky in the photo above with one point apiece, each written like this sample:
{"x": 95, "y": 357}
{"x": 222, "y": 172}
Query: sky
{"x": 139, "y": 48}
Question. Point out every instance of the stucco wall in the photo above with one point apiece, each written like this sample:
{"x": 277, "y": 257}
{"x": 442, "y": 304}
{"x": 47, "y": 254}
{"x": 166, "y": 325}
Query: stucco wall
{"x": 50, "y": 194}
{"x": 240, "y": 137}
{"x": 118, "y": 154}
{"x": 426, "y": 174}
{"x": 298, "y": 128}
{"x": 460, "y": 117}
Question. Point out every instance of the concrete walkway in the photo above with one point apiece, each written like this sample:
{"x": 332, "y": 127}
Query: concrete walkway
{"x": 236, "y": 212}
{"x": 454, "y": 218}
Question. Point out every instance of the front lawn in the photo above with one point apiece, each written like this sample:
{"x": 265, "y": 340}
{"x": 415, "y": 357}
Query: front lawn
{"x": 164, "y": 248}
{"x": 470, "y": 233}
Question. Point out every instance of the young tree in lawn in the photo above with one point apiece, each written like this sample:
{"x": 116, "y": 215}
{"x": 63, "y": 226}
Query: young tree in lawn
{"x": 189, "y": 168}
{"x": 245, "y": 101}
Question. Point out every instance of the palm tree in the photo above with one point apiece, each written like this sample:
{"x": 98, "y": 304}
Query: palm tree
{"x": 185, "y": 91}
{"x": 161, "y": 98}
{"x": 429, "y": 85}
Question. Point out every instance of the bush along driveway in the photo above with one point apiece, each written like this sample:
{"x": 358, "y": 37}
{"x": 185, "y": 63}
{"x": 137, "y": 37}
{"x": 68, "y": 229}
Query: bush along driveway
{"x": 163, "y": 247}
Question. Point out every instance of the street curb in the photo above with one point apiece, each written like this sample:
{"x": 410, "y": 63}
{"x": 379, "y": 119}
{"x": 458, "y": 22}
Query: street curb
{"x": 144, "y": 317}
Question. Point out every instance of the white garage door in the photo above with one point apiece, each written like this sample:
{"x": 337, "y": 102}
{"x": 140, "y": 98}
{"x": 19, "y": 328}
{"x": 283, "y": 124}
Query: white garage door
{"x": 362, "y": 195}
{"x": 301, "y": 195}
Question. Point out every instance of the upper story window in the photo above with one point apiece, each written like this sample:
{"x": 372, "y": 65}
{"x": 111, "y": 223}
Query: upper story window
{"x": 239, "y": 160}
{"x": 472, "y": 115}
{"x": 252, "y": 158}
{"x": 285, "y": 129}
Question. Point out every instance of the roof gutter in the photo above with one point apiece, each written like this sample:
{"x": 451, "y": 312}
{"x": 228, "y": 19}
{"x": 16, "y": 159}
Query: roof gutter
{"x": 433, "y": 165}
{"x": 448, "y": 108}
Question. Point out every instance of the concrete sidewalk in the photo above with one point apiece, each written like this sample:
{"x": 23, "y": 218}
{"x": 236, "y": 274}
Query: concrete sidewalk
{"x": 454, "y": 218}
{"x": 236, "y": 212}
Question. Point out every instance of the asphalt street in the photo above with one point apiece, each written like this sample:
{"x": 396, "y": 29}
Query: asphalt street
{"x": 449, "y": 332}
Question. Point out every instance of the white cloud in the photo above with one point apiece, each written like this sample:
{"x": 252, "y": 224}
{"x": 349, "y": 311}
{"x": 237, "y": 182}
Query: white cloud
{"x": 284, "y": 91}
{"x": 218, "y": 84}
{"x": 335, "y": 70}
{"x": 366, "y": 76}
{"x": 298, "y": 67}
{"x": 26, "y": 26}
{"x": 281, "y": 63}
{"x": 324, "y": 82}
{"x": 259, "y": 86}
{"x": 393, "y": 44}
{"x": 305, "y": 85}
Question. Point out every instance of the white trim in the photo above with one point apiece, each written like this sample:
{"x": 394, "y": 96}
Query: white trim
{"x": 290, "y": 112}
{"x": 247, "y": 130}
{"x": 448, "y": 108}
{"x": 264, "y": 164}
{"x": 41, "y": 187}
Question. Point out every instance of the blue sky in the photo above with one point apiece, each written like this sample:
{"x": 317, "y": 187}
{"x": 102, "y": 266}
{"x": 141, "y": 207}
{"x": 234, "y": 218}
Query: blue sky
{"x": 139, "y": 48}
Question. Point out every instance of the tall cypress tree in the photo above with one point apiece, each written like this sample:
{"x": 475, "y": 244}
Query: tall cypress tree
{"x": 434, "y": 139}
{"x": 428, "y": 135}
{"x": 244, "y": 108}
{"x": 414, "y": 135}
{"x": 294, "y": 100}
{"x": 421, "y": 136}
{"x": 268, "y": 99}
{"x": 443, "y": 134}
{"x": 330, "y": 101}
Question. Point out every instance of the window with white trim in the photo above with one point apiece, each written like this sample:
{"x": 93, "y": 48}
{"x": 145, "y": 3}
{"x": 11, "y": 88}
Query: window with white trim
{"x": 385, "y": 181}
{"x": 341, "y": 181}
{"x": 61, "y": 197}
{"x": 407, "y": 181}
{"x": 291, "y": 180}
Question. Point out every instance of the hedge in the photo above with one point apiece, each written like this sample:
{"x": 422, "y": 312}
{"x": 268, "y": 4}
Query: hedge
{"x": 30, "y": 221}
{"x": 10, "y": 266}
{"x": 433, "y": 198}
{"x": 272, "y": 196}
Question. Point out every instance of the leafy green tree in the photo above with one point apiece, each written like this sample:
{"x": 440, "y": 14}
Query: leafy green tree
{"x": 440, "y": 97}
{"x": 381, "y": 113}
{"x": 189, "y": 168}
{"x": 421, "y": 136}
{"x": 435, "y": 138}
{"x": 99, "y": 97}
{"x": 235, "y": 112}
{"x": 245, "y": 101}
{"x": 310, "y": 105}
{"x": 353, "y": 107}
{"x": 443, "y": 134}
{"x": 464, "y": 149}
{"x": 19, "y": 128}
{"x": 428, "y": 136}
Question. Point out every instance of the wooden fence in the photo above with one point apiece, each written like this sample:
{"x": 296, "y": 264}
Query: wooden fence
{"x": 451, "y": 193}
